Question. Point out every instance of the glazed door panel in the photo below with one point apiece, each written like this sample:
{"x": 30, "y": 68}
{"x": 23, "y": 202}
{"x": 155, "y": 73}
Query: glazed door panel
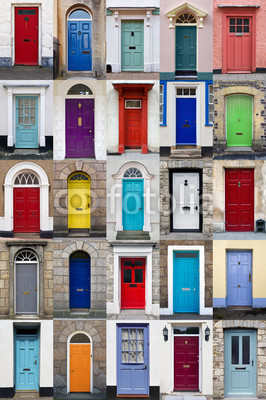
{"x": 186, "y": 363}
{"x": 240, "y": 363}
{"x": 133, "y": 283}
{"x": 186, "y": 197}
{"x": 239, "y": 44}
{"x": 186, "y": 132}
{"x": 133, "y": 204}
{"x": 26, "y": 35}
{"x": 26, "y": 288}
{"x": 79, "y": 46}
{"x": 80, "y": 368}
{"x": 132, "y": 45}
{"x": 133, "y": 360}
{"x": 239, "y": 200}
{"x": 239, "y": 120}
{"x": 239, "y": 278}
{"x": 80, "y": 128}
{"x": 27, "y": 362}
{"x": 133, "y": 128}
{"x": 26, "y": 122}
{"x": 186, "y": 282}
{"x": 26, "y": 210}
{"x": 80, "y": 283}
{"x": 186, "y": 48}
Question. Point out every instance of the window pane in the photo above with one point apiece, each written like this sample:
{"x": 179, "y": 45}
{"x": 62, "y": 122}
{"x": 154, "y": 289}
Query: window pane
{"x": 235, "y": 350}
{"x": 132, "y": 357}
{"x": 140, "y": 333}
{"x": 124, "y": 334}
{"x": 239, "y": 21}
{"x": 127, "y": 263}
{"x": 124, "y": 356}
{"x": 138, "y": 263}
{"x": 186, "y": 92}
{"x": 246, "y": 29}
{"x": 232, "y": 29}
{"x": 127, "y": 276}
{"x": 246, "y": 350}
{"x": 138, "y": 275}
{"x": 140, "y": 356}
{"x": 232, "y": 21}
{"x": 192, "y": 92}
{"x": 179, "y": 92}
{"x": 239, "y": 29}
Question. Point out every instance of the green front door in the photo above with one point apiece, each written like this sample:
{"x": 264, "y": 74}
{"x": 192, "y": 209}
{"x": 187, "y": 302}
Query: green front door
{"x": 132, "y": 45}
{"x": 239, "y": 120}
{"x": 186, "y": 48}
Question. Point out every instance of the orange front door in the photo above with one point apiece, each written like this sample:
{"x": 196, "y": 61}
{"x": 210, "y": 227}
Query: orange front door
{"x": 80, "y": 367}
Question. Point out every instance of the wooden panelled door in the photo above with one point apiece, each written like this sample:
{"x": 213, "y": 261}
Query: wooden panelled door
{"x": 239, "y": 43}
{"x": 186, "y": 363}
{"x": 79, "y": 201}
{"x": 132, "y": 283}
{"x": 26, "y": 35}
{"x": 239, "y": 200}
{"x": 26, "y": 209}
{"x": 80, "y": 363}
{"x": 239, "y": 117}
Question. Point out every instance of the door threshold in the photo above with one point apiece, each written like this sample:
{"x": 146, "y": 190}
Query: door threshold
{"x": 132, "y": 396}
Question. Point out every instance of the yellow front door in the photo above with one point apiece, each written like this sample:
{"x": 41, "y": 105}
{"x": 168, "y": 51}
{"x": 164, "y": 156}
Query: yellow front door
{"x": 79, "y": 201}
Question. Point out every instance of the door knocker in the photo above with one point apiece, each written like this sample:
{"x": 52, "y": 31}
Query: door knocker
{"x": 185, "y": 183}
{"x": 79, "y": 32}
{"x": 26, "y": 18}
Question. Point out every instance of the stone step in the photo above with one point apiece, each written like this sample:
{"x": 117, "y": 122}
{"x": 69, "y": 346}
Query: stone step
{"x": 186, "y": 152}
{"x": 26, "y": 395}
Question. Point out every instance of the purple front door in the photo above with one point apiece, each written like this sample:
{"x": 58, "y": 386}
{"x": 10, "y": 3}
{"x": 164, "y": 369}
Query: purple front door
{"x": 79, "y": 128}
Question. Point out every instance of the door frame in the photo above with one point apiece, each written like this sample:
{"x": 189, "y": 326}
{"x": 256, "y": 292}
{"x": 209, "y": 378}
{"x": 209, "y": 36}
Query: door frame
{"x": 40, "y": 28}
{"x": 173, "y": 355}
{"x": 68, "y": 358}
{"x": 70, "y": 10}
{"x": 239, "y": 251}
{"x": 197, "y": 40}
{"x": 69, "y": 266}
{"x": 235, "y": 12}
{"x": 171, "y": 175}
{"x": 239, "y": 94}
{"x": 187, "y": 85}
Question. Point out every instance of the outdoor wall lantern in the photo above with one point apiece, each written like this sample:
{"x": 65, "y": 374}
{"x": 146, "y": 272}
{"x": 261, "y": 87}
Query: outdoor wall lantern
{"x": 165, "y": 334}
{"x": 207, "y": 334}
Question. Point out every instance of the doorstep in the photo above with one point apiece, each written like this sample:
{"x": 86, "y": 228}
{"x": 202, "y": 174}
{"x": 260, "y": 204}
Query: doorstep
{"x": 189, "y": 396}
{"x": 80, "y": 396}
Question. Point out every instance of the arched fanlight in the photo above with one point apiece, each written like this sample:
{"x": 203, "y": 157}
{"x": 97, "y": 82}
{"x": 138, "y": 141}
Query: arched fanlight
{"x": 79, "y": 89}
{"x": 186, "y": 18}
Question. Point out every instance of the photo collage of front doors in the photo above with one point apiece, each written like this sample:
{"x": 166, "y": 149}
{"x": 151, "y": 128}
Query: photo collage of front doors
{"x": 133, "y": 199}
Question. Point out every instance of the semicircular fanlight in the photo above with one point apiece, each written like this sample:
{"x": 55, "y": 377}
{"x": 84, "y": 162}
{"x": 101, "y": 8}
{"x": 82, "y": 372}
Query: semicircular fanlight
{"x": 186, "y": 18}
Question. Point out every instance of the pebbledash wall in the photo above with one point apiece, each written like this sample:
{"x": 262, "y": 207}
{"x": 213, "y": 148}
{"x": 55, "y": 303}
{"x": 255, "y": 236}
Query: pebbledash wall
{"x": 218, "y": 354}
{"x": 7, "y": 29}
{"x": 62, "y": 250}
{"x": 96, "y": 331}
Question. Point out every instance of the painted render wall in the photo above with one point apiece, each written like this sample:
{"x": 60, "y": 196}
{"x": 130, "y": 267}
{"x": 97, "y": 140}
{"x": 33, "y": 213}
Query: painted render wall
{"x": 217, "y": 30}
{"x": 167, "y": 37}
{"x": 112, "y": 129}
{"x": 258, "y": 249}
{"x": 7, "y": 352}
{"x": 132, "y": 3}
{"x": 7, "y": 31}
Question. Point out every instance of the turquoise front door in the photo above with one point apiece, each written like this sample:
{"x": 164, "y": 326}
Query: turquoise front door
{"x": 26, "y": 359}
{"x": 186, "y": 48}
{"x": 26, "y": 122}
{"x": 133, "y": 205}
{"x": 240, "y": 363}
{"x": 132, "y": 45}
{"x": 186, "y": 282}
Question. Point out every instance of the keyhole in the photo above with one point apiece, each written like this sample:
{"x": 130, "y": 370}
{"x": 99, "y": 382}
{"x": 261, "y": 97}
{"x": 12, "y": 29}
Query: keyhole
{"x": 185, "y": 183}
{"x": 132, "y": 33}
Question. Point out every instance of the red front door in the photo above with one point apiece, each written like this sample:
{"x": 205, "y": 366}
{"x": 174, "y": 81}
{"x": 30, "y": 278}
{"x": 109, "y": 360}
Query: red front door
{"x": 26, "y": 210}
{"x": 133, "y": 127}
{"x": 133, "y": 283}
{"x": 186, "y": 363}
{"x": 239, "y": 200}
{"x": 26, "y": 35}
{"x": 239, "y": 44}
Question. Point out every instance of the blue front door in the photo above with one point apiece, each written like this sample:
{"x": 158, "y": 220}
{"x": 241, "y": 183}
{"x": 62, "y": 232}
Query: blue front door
{"x": 26, "y": 359}
{"x": 186, "y": 121}
{"x": 26, "y": 122}
{"x": 239, "y": 278}
{"x": 133, "y": 205}
{"x": 79, "y": 46}
{"x": 186, "y": 282}
{"x": 80, "y": 283}
{"x": 240, "y": 363}
{"x": 133, "y": 360}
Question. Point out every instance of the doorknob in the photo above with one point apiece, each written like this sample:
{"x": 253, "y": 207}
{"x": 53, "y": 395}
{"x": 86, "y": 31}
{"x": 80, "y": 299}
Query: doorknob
{"x": 19, "y": 213}
{"x": 32, "y": 213}
{"x": 196, "y": 208}
{"x": 73, "y": 52}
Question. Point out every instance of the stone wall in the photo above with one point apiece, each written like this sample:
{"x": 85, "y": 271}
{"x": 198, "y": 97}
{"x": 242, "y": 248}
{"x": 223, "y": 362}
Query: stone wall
{"x": 97, "y": 172}
{"x": 218, "y": 354}
{"x": 96, "y": 329}
{"x": 164, "y": 268}
{"x": 63, "y": 248}
{"x": 205, "y": 166}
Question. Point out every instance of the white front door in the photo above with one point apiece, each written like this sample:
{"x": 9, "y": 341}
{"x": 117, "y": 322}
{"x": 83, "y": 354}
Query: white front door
{"x": 186, "y": 205}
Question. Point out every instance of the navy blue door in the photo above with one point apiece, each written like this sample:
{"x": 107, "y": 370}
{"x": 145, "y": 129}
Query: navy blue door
{"x": 186, "y": 121}
{"x": 79, "y": 281}
{"x": 79, "y": 41}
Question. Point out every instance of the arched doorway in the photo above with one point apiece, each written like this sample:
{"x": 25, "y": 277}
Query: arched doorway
{"x": 26, "y": 282}
{"x": 186, "y": 43}
{"x": 80, "y": 363}
{"x": 79, "y": 280}
{"x": 79, "y": 201}
{"x": 133, "y": 200}
{"x": 79, "y": 26}
{"x": 79, "y": 122}
{"x": 239, "y": 120}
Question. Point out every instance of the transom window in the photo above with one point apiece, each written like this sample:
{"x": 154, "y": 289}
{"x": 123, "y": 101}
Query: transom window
{"x": 26, "y": 178}
{"x": 26, "y": 256}
{"x": 80, "y": 15}
{"x": 132, "y": 103}
{"x": 132, "y": 173}
{"x": 80, "y": 338}
{"x": 79, "y": 176}
{"x": 80, "y": 255}
{"x": 186, "y": 18}
{"x": 239, "y": 25}
{"x": 186, "y": 92}
{"x": 79, "y": 89}
{"x": 133, "y": 345}
{"x": 186, "y": 330}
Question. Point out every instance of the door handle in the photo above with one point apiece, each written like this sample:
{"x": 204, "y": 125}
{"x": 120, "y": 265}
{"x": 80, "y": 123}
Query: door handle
{"x": 186, "y": 208}
{"x": 145, "y": 366}
{"x": 252, "y": 363}
{"x": 196, "y": 208}
{"x": 249, "y": 277}
{"x": 35, "y": 362}
{"x": 33, "y": 214}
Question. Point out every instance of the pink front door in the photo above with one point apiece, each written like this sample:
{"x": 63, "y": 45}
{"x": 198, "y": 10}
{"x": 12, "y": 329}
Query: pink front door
{"x": 186, "y": 363}
{"x": 239, "y": 43}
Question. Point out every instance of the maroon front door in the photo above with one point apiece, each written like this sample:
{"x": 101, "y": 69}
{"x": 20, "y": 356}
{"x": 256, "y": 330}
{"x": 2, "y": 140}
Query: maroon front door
{"x": 133, "y": 283}
{"x": 26, "y": 35}
{"x": 133, "y": 128}
{"x": 80, "y": 128}
{"x": 239, "y": 200}
{"x": 26, "y": 210}
{"x": 186, "y": 363}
